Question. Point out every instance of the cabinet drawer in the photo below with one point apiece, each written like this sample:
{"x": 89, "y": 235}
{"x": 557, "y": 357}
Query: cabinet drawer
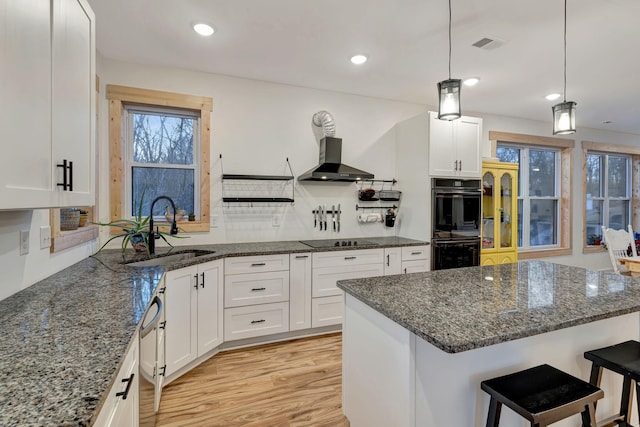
{"x": 323, "y": 280}
{"x": 256, "y": 288}
{"x": 255, "y": 320}
{"x": 326, "y": 311}
{"x": 256, "y": 264}
{"x": 339, "y": 258}
{"x": 415, "y": 252}
{"x": 416, "y": 266}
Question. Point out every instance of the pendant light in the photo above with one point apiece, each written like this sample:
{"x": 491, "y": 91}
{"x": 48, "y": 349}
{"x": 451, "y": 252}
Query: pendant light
{"x": 564, "y": 113}
{"x": 449, "y": 90}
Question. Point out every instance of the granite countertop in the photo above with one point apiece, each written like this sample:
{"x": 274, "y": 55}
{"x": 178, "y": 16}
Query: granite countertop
{"x": 63, "y": 339}
{"x": 467, "y": 308}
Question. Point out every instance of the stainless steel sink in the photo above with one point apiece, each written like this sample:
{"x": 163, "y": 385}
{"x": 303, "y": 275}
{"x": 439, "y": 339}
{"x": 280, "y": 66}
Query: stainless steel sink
{"x": 162, "y": 260}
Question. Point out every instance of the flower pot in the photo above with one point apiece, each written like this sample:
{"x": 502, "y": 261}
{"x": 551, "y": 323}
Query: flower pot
{"x": 138, "y": 243}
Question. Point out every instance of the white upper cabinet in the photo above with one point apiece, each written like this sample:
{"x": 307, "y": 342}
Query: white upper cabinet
{"x": 47, "y": 99}
{"x": 454, "y": 147}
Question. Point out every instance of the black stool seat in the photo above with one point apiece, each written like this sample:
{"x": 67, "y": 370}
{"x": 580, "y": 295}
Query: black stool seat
{"x": 542, "y": 395}
{"x": 624, "y": 359}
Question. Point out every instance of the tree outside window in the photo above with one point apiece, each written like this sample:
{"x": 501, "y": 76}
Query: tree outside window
{"x": 538, "y": 193}
{"x": 608, "y": 194}
{"x": 163, "y": 147}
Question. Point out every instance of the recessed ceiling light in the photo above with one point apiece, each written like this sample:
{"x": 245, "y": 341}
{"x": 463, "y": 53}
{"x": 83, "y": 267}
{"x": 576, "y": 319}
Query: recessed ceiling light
{"x": 553, "y": 96}
{"x": 359, "y": 59}
{"x": 203, "y": 29}
{"x": 471, "y": 81}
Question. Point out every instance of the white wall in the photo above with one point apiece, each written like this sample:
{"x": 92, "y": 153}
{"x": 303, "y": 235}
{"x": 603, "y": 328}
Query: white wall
{"x": 256, "y": 126}
{"x": 21, "y": 271}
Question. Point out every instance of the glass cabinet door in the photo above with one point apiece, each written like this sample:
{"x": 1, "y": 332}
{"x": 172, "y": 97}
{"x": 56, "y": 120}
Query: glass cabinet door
{"x": 506, "y": 191}
{"x": 488, "y": 210}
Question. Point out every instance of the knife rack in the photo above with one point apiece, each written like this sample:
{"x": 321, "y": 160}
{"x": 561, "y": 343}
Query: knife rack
{"x": 327, "y": 212}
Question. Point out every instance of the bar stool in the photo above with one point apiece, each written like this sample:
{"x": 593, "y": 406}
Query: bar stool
{"x": 624, "y": 359}
{"x": 542, "y": 395}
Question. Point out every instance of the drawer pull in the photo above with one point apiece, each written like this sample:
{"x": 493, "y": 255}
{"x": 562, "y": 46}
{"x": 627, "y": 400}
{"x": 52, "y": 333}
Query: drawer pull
{"x": 258, "y": 264}
{"x": 258, "y": 289}
{"x": 258, "y": 321}
{"x": 302, "y": 256}
{"x": 196, "y": 277}
{"x": 416, "y": 253}
{"x": 350, "y": 257}
{"x": 125, "y": 393}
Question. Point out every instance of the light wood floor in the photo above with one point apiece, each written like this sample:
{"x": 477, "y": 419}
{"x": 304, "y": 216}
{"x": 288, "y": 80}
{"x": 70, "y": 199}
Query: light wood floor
{"x": 291, "y": 384}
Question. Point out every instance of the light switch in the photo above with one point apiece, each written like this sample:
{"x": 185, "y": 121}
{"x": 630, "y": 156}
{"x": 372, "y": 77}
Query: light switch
{"x": 45, "y": 237}
{"x": 24, "y": 242}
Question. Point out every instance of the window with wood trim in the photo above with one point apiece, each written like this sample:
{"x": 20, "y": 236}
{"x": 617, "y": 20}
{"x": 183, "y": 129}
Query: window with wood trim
{"x": 159, "y": 143}
{"x": 544, "y": 194}
{"x": 610, "y": 190}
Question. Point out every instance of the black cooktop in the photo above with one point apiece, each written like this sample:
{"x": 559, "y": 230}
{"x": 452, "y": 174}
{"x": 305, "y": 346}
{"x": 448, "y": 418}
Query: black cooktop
{"x": 329, "y": 243}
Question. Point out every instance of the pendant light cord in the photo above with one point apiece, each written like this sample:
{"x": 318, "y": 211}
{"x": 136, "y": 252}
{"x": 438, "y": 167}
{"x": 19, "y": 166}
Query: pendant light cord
{"x": 564, "y": 93}
{"x": 450, "y": 38}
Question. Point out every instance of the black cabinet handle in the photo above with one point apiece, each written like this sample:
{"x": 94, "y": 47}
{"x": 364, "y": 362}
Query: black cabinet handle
{"x": 388, "y": 256}
{"x": 125, "y": 393}
{"x": 258, "y": 264}
{"x": 162, "y": 290}
{"x": 163, "y": 370}
{"x": 302, "y": 256}
{"x": 67, "y": 175}
{"x": 350, "y": 257}
{"x": 258, "y": 289}
{"x": 416, "y": 253}
{"x": 258, "y": 321}
{"x": 202, "y": 284}
{"x": 196, "y": 285}
{"x": 162, "y": 324}
{"x": 405, "y": 271}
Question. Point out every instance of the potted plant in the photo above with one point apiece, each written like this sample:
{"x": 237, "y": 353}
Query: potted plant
{"x": 134, "y": 231}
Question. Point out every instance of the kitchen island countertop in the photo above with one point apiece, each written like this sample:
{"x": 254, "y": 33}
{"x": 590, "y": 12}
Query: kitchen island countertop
{"x": 466, "y": 308}
{"x": 64, "y": 337}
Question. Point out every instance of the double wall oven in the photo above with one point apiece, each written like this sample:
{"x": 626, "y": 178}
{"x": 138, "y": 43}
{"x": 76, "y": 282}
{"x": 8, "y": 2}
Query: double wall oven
{"x": 456, "y": 208}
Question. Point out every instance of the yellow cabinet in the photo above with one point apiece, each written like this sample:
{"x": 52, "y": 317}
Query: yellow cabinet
{"x": 499, "y": 213}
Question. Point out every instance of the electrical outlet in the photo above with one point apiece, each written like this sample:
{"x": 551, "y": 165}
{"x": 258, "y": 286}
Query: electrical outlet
{"x": 24, "y": 242}
{"x": 214, "y": 221}
{"x": 45, "y": 237}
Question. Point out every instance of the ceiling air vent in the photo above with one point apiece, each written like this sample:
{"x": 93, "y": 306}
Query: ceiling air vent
{"x": 488, "y": 43}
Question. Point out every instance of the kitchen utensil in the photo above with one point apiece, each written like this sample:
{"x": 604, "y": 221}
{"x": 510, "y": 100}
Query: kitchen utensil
{"x": 390, "y": 218}
{"x": 323, "y": 219}
{"x": 368, "y": 194}
{"x": 333, "y": 216}
{"x": 320, "y": 216}
{"x": 338, "y": 218}
{"x": 315, "y": 218}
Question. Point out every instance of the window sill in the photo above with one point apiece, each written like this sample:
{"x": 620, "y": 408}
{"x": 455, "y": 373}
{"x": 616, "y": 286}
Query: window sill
{"x": 593, "y": 249}
{"x": 544, "y": 253}
{"x": 70, "y": 238}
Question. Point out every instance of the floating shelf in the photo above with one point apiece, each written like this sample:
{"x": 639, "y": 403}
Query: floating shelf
{"x": 245, "y": 193}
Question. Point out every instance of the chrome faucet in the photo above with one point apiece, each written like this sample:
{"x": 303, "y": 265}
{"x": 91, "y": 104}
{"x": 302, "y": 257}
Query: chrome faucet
{"x": 153, "y": 235}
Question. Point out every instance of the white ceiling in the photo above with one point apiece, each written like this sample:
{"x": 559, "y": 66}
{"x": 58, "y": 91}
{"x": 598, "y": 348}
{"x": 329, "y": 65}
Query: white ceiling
{"x": 309, "y": 42}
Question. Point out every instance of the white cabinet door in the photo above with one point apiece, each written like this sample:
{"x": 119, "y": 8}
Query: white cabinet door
{"x": 181, "y": 345}
{"x": 454, "y": 147}
{"x": 121, "y": 404}
{"x": 209, "y": 307}
{"x": 467, "y": 134}
{"x": 25, "y": 102}
{"x": 299, "y": 291}
{"x": 327, "y": 311}
{"x": 392, "y": 261}
{"x": 73, "y": 99}
{"x": 442, "y": 151}
{"x": 416, "y": 266}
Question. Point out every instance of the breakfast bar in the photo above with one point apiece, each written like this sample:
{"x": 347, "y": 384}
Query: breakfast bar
{"x": 416, "y": 347}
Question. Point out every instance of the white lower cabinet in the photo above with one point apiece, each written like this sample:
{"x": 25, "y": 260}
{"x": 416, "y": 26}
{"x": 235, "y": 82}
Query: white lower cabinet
{"x": 415, "y": 259}
{"x": 392, "y": 261}
{"x": 194, "y": 299}
{"x": 256, "y": 290}
{"x": 255, "y": 320}
{"x": 299, "y": 291}
{"x": 121, "y": 405}
{"x": 328, "y": 268}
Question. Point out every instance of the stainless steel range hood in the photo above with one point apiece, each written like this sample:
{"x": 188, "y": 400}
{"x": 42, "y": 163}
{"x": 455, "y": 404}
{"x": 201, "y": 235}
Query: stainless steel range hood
{"x": 331, "y": 167}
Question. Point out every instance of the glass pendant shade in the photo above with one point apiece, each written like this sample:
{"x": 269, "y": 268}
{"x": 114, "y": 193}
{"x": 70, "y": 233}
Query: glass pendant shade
{"x": 564, "y": 118}
{"x": 449, "y": 99}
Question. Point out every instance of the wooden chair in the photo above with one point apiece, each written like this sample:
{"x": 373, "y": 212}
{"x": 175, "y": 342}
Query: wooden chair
{"x": 618, "y": 242}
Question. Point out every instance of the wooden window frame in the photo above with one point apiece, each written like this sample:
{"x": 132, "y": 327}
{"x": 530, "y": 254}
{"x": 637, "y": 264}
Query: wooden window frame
{"x": 566, "y": 147}
{"x": 634, "y": 152}
{"x": 118, "y": 97}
